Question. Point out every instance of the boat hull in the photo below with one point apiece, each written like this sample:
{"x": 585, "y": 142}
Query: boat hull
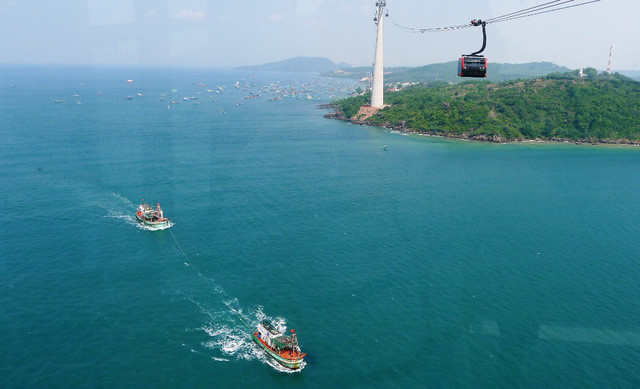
{"x": 157, "y": 225}
{"x": 293, "y": 364}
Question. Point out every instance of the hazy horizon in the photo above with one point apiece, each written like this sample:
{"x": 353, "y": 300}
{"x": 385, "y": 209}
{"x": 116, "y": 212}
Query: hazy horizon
{"x": 217, "y": 34}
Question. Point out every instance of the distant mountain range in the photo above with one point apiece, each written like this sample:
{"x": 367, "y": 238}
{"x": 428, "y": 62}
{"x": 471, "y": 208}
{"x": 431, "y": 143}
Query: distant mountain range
{"x": 299, "y": 64}
{"x": 635, "y": 74}
{"x": 446, "y": 71}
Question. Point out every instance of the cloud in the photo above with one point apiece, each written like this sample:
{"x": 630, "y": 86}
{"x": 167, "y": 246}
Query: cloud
{"x": 194, "y": 16}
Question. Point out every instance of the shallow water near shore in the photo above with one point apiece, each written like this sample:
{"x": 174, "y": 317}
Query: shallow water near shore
{"x": 435, "y": 262}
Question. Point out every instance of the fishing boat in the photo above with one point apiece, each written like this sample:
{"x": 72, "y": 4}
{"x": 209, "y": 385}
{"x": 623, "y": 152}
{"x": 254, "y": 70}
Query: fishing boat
{"x": 152, "y": 218}
{"x": 284, "y": 349}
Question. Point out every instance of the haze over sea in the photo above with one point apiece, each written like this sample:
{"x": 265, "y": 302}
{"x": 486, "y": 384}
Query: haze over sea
{"x": 435, "y": 263}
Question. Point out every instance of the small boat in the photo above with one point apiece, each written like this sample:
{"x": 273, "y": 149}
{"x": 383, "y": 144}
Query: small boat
{"x": 284, "y": 349}
{"x": 384, "y": 147}
{"x": 152, "y": 218}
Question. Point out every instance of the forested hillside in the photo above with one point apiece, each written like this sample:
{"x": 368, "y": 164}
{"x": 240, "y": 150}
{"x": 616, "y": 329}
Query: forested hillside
{"x": 561, "y": 106}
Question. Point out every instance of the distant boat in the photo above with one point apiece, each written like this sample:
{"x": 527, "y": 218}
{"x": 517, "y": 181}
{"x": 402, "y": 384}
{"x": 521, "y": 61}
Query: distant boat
{"x": 130, "y": 81}
{"x": 58, "y": 101}
{"x": 152, "y": 218}
{"x": 284, "y": 349}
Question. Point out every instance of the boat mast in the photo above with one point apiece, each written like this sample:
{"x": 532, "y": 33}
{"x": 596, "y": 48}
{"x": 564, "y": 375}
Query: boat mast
{"x": 294, "y": 341}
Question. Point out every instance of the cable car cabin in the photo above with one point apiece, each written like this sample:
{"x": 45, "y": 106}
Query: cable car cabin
{"x": 472, "y": 66}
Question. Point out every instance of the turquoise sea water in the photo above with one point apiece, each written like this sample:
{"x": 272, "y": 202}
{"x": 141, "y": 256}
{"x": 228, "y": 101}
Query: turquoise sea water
{"x": 435, "y": 263}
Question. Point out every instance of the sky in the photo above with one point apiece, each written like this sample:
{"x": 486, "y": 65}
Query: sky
{"x": 228, "y": 33}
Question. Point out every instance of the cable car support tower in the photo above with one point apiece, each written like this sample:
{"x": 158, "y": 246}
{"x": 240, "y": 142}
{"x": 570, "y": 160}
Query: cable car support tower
{"x": 377, "y": 88}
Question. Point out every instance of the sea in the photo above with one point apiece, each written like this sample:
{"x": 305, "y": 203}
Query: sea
{"x": 432, "y": 262}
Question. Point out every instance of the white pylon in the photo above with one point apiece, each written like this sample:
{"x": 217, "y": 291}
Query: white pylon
{"x": 377, "y": 89}
{"x": 610, "y": 55}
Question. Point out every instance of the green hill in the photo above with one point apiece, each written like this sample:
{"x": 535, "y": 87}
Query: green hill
{"x": 561, "y": 106}
{"x": 495, "y": 72}
{"x": 447, "y": 72}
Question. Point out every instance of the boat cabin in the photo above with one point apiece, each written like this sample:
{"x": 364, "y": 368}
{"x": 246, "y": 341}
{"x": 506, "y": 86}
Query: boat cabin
{"x": 266, "y": 332}
{"x": 472, "y": 66}
{"x": 275, "y": 339}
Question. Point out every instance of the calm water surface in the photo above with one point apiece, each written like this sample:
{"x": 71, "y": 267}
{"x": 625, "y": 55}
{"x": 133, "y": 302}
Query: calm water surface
{"x": 435, "y": 263}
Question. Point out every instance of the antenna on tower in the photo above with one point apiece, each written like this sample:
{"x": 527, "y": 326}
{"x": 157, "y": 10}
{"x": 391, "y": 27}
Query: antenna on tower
{"x": 377, "y": 89}
{"x": 610, "y": 55}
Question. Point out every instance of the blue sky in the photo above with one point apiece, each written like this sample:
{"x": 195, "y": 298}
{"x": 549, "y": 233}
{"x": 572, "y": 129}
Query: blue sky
{"x": 225, "y": 33}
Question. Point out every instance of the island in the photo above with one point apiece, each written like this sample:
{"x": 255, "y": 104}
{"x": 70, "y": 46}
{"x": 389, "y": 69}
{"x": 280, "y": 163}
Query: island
{"x": 446, "y": 71}
{"x": 576, "y": 106}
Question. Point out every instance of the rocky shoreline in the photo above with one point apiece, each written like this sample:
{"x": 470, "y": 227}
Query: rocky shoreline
{"x": 491, "y": 138}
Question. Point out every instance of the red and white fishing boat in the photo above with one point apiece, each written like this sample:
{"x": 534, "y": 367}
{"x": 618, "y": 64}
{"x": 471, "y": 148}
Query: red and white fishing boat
{"x": 284, "y": 349}
{"x": 152, "y": 218}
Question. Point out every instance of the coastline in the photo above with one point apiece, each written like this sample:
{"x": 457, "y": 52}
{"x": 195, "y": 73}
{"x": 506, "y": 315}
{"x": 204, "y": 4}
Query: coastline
{"x": 338, "y": 115}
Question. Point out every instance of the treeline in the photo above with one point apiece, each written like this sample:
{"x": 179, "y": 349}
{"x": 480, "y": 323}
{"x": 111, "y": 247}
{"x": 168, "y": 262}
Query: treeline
{"x": 560, "y": 106}
{"x": 447, "y": 72}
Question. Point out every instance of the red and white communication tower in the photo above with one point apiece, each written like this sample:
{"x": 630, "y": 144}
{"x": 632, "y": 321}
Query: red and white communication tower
{"x": 609, "y": 64}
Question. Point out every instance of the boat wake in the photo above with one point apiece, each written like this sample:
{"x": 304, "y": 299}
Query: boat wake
{"x": 119, "y": 207}
{"x": 126, "y": 218}
{"x": 229, "y": 333}
{"x": 228, "y": 328}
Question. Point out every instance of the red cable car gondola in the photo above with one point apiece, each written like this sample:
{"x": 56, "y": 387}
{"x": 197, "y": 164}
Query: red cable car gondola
{"x": 474, "y": 65}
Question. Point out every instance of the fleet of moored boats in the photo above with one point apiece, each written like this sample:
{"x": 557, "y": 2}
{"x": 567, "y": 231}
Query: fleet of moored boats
{"x": 274, "y": 91}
